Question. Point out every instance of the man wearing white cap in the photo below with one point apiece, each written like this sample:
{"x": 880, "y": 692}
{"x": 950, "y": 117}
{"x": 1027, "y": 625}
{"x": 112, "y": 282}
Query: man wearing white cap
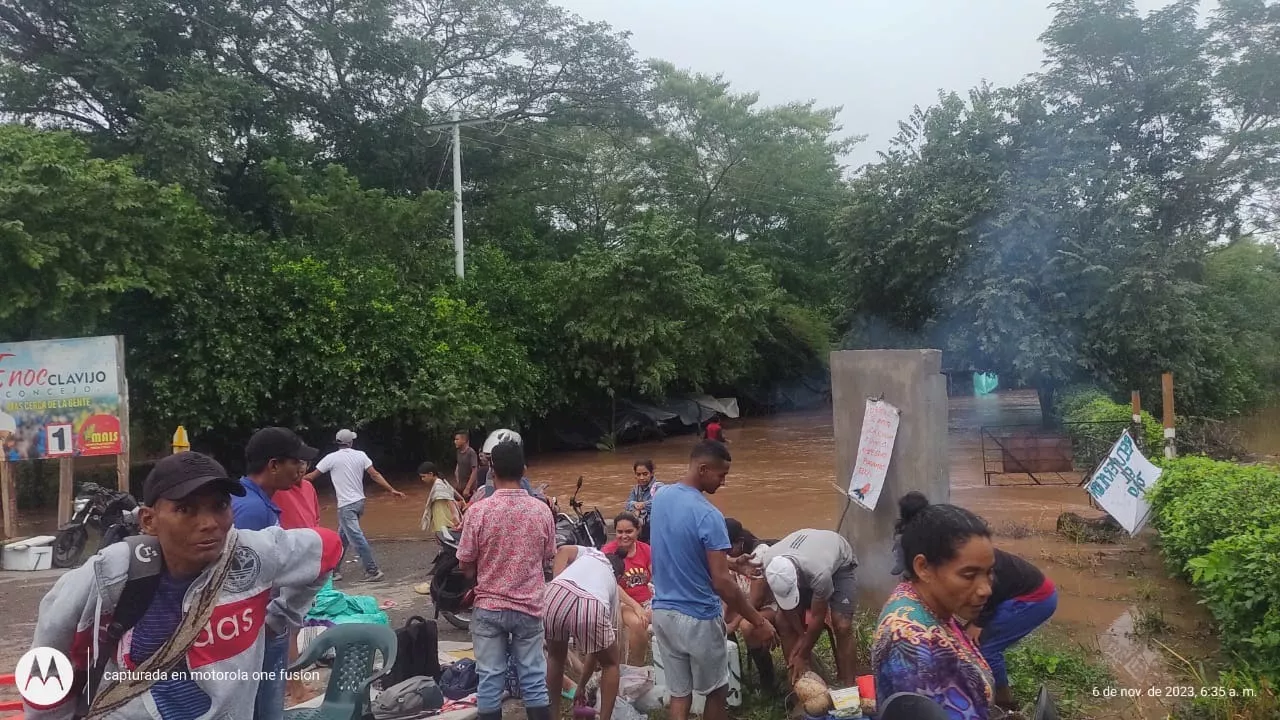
{"x": 346, "y": 467}
{"x": 813, "y": 570}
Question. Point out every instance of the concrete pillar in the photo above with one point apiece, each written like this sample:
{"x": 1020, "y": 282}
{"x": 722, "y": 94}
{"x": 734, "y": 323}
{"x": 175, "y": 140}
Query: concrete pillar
{"x": 912, "y": 381}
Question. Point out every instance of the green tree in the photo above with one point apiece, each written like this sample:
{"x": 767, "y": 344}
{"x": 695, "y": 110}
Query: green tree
{"x": 1058, "y": 230}
{"x": 78, "y": 233}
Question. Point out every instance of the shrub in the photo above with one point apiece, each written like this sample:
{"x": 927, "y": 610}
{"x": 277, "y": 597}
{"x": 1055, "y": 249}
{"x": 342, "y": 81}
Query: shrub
{"x": 1242, "y": 589}
{"x": 1199, "y": 501}
{"x": 1094, "y": 423}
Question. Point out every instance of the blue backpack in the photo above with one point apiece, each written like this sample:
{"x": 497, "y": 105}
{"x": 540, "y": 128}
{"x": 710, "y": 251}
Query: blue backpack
{"x": 460, "y": 679}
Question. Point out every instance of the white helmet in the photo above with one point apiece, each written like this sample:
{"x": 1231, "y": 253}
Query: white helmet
{"x": 500, "y": 436}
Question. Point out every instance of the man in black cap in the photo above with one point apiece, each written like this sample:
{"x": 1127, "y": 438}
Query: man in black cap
{"x": 198, "y": 595}
{"x": 275, "y": 459}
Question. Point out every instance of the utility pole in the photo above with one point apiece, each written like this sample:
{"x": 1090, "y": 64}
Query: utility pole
{"x": 456, "y": 124}
{"x": 459, "y": 247}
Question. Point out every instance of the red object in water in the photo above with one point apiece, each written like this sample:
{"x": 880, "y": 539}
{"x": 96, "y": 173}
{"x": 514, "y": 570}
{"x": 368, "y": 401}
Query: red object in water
{"x": 867, "y": 686}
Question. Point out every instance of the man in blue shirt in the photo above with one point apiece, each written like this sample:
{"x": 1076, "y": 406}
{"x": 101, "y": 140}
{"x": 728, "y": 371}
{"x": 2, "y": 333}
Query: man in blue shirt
{"x": 690, "y": 579}
{"x": 275, "y": 459}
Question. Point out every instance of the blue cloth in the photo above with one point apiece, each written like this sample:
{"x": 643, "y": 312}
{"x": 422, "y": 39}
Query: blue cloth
{"x": 499, "y": 638}
{"x": 177, "y": 697}
{"x": 686, "y": 526}
{"x": 525, "y": 485}
{"x": 350, "y": 533}
{"x": 1013, "y": 620}
{"x": 643, "y": 495}
{"x": 488, "y": 489}
{"x": 254, "y": 511}
{"x": 270, "y": 702}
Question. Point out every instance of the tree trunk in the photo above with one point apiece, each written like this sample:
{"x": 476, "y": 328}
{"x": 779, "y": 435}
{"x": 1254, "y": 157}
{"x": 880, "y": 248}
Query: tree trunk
{"x": 1045, "y": 389}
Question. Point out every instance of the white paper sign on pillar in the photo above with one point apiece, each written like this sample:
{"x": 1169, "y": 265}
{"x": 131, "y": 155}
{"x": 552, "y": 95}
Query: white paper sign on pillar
{"x": 1121, "y": 482}
{"x": 875, "y": 447}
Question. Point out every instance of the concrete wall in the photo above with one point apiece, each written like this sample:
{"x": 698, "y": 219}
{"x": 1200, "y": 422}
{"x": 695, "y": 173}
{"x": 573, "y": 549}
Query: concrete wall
{"x": 912, "y": 381}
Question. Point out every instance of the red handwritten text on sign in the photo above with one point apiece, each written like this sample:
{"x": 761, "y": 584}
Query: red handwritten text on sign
{"x": 875, "y": 447}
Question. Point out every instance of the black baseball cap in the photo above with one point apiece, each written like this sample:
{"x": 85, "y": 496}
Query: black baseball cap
{"x": 177, "y": 476}
{"x": 274, "y": 443}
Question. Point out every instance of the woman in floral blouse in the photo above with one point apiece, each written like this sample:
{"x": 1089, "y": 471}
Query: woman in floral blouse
{"x": 920, "y": 646}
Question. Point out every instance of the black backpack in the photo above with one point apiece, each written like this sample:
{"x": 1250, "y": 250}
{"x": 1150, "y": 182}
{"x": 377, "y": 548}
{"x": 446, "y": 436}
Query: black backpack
{"x": 417, "y": 652}
{"x": 140, "y": 587}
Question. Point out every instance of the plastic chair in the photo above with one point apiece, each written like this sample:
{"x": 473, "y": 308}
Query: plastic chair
{"x": 354, "y": 645}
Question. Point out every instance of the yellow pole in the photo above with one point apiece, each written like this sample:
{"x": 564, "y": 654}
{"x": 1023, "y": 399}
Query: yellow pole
{"x": 180, "y": 441}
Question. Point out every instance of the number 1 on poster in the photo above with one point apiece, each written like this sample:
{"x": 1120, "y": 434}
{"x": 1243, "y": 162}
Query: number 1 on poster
{"x": 58, "y": 440}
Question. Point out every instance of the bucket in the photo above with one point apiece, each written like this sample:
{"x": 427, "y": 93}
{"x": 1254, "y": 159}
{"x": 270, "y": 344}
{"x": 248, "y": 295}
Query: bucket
{"x": 867, "y": 686}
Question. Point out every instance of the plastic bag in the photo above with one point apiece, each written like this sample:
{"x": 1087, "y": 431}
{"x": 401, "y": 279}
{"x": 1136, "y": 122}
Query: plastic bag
{"x": 623, "y": 710}
{"x": 636, "y": 682}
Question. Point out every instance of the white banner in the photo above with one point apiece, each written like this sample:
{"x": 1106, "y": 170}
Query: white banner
{"x": 1120, "y": 484}
{"x": 875, "y": 447}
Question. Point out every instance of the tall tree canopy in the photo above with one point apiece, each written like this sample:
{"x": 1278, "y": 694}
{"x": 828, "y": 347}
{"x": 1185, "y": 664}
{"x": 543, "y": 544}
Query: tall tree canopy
{"x": 1058, "y": 230}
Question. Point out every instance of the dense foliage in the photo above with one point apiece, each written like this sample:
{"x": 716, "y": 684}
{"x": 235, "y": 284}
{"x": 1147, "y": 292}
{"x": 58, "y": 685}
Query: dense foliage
{"x": 1094, "y": 422}
{"x": 249, "y": 194}
{"x": 1067, "y": 229}
{"x": 258, "y": 197}
{"x": 1219, "y": 524}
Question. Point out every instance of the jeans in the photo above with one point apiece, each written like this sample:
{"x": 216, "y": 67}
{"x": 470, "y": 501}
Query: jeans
{"x": 498, "y": 638}
{"x": 270, "y": 702}
{"x": 350, "y": 533}
{"x": 1013, "y": 620}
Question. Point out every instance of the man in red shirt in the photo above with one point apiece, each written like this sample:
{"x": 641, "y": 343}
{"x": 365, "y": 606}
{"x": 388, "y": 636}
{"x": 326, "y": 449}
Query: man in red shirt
{"x": 506, "y": 539}
{"x": 299, "y": 508}
{"x": 715, "y": 431}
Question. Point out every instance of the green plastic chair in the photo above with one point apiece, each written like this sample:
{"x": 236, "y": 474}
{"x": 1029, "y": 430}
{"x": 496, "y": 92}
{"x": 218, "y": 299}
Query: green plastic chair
{"x": 354, "y": 645}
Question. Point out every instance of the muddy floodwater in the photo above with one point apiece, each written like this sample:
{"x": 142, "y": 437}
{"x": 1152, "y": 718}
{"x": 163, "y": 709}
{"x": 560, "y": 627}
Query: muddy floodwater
{"x": 1112, "y": 598}
{"x": 781, "y": 480}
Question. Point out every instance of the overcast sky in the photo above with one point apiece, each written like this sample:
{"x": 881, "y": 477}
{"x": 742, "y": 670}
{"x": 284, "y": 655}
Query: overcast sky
{"x": 875, "y": 58}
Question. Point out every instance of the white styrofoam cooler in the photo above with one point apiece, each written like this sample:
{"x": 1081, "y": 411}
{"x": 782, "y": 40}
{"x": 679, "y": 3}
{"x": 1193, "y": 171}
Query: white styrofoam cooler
{"x": 31, "y": 554}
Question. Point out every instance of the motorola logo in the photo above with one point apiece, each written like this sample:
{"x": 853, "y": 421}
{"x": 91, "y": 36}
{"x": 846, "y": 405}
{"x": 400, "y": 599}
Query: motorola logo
{"x": 44, "y": 677}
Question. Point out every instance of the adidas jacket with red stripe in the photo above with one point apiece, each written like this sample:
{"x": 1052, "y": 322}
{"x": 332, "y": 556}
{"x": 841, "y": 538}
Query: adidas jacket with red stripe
{"x": 79, "y": 608}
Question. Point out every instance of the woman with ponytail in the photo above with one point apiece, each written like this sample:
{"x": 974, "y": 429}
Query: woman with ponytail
{"x": 920, "y": 645}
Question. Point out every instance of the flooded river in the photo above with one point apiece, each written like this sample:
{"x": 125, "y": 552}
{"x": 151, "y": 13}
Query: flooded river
{"x": 782, "y": 475}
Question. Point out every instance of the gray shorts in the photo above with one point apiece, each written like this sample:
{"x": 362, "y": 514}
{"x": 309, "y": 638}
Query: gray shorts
{"x": 694, "y": 657}
{"x": 845, "y": 598}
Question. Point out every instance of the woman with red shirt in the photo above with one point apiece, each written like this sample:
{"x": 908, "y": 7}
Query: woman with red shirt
{"x": 634, "y": 582}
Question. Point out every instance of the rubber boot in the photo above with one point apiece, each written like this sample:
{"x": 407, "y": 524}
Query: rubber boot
{"x": 533, "y": 713}
{"x": 763, "y": 660}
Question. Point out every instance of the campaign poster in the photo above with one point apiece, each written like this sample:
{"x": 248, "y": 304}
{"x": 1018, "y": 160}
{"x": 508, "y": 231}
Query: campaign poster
{"x": 62, "y": 398}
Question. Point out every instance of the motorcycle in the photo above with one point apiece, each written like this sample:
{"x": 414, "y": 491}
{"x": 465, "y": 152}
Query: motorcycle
{"x": 128, "y": 526}
{"x": 584, "y": 529}
{"x": 452, "y": 592}
{"x": 94, "y": 507}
